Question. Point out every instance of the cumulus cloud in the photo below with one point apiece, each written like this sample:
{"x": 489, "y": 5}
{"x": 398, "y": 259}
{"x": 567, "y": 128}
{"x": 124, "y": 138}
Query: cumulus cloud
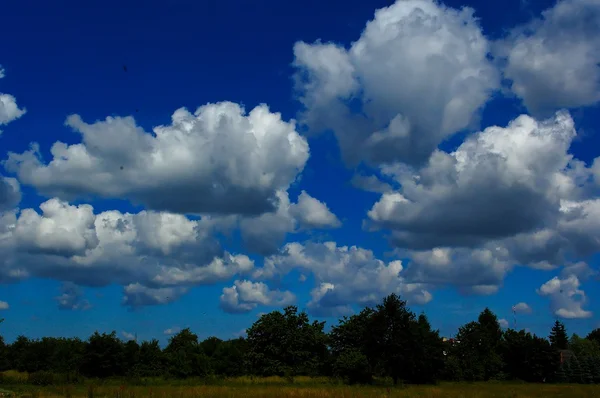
{"x": 264, "y": 234}
{"x": 419, "y": 73}
{"x": 4, "y": 305}
{"x": 156, "y": 256}
{"x": 61, "y": 229}
{"x": 343, "y": 276}
{"x": 245, "y": 295}
{"x": 136, "y": 295}
{"x": 370, "y": 184}
{"x": 497, "y": 183}
{"x": 566, "y": 298}
{"x": 554, "y": 62}
{"x": 71, "y": 298}
{"x": 127, "y": 335}
{"x": 474, "y": 271}
{"x": 9, "y": 110}
{"x": 580, "y": 269}
{"x": 503, "y": 323}
{"x": 522, "y": 308}
{"x": 218, "y": 160}
{"x": 10, "y": 193}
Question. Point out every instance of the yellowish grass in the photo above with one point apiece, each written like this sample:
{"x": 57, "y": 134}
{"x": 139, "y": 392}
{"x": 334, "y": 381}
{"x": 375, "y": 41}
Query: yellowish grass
{"x": 274, "y": 387}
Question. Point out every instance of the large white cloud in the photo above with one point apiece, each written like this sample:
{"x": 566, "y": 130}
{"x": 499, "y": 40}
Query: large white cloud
{"x": 419, "y": 73}
{"x": 497, "y": 183}
{"x": 343, "y": 275}
{"x": 60, "y": 229}
{"x": 506, "y": 196}
{"x": 9, "y": 110}
{"x": 156, "y": 256}
{"x": 554, "y": 62}
{"x": 245, "y": 295}
{"x": 473, "y": 271}
{"x": 264, "y": 234}
{"x": 217, "y": 160}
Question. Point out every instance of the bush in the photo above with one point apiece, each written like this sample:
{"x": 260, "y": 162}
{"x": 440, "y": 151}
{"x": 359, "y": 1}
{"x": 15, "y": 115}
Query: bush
{"x": 353, "y": 367}
{"x": 41, "y": 378}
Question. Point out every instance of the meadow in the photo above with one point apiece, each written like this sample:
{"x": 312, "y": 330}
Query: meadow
{"x": 301, "y": 387}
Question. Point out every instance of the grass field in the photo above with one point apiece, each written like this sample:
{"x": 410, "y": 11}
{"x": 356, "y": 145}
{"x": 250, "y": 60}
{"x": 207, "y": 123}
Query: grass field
{"x": 303, "y": 388}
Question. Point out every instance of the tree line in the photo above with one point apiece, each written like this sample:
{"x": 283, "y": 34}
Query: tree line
{"x": 387, "y": 341}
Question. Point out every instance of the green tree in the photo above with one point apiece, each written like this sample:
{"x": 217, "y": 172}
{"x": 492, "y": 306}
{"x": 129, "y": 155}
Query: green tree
{"x": 395, "y": 332}
{"x": 353, "y": 366}
{"x": 185, "y": 356}
{"x": 594, "y": 335}
{"x": 228, "y": 357}
{"x": 467, "y": 350}
{"x": 558, "y": 336}
{"x": 131, "y": 358}
{"x": 490, "y": 335}
{"x": 152, "y": 361}
{"x": 428, "y": 352}
{"x": 103, "y": 356}
{"x": 4, "y": 355}
{"x": 351, "y": 341}
{"x": 584, "y": 347}
{"x": 286, "y": 344}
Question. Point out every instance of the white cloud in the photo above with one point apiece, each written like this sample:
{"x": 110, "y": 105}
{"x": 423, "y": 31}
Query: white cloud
{"x": 420, "y": 72}
{"x": 264, "y": 234}
{"x": 474, "y": 271}
{"x": 128, "y": 336}
{"x": 62, "y": 229}
{"x": 156, "y": 256}
{"x": 311, "y": 213}
{"x": 496, "y": 184}
{"x": 172, "y": 331}
{"x": 566, "y": 299}
{"x": 9, "y": 110}
{"x": 370, "y": 184}
{"x": 522, "y": 308}
{"x": 10, "y": 193}
{"x": 553, "y": 62}
{"x": 136, "y": 295}
{"x": 245, "y": 295}
{"x": 580, "y": 269}
{"x": 503, "y": 323}
{"x": 218, "y": 160}
{"x": 343, "y": 275}
{"x": 4, "y": 305}
{"x": 71, "y": 298}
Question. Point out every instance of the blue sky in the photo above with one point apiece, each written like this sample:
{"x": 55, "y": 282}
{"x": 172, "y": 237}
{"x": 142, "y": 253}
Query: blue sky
{"x": 343, "y": 151}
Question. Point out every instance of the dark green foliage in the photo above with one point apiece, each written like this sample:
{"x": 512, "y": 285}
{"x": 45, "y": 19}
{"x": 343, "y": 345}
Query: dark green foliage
{"x": 353, "y": 366}
{"x": 594, "y": 335}
{"x": 286, "y": 343}
{"x": 185, "y": 356}
{"x": 352, "y": 339}
{"x": 152, "y": 361}
{"x": 529, "y": 358}
{"x": 4, "y": 355}
{"x": 103, "y": 356}
{"x": 558, "y": 336}
{"x": 386, "y": 341}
